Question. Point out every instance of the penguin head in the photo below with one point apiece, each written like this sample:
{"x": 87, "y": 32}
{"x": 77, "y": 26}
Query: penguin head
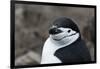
{"x": 64, "y": 29}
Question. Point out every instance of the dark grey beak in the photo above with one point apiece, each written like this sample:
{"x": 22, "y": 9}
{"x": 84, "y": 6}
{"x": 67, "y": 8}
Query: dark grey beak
{"x": 54, "y": 31}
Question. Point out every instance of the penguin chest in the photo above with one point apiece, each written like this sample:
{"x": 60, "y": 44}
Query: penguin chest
{"x": 48, "y": 54}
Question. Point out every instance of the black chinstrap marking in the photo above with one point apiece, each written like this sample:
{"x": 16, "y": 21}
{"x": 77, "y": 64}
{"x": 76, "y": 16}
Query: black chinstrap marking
{"x": 64, "y": 37}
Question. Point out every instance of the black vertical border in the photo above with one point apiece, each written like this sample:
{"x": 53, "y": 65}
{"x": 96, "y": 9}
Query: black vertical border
{"x": 95, "y": 47}
{"x": 12, "y": 34}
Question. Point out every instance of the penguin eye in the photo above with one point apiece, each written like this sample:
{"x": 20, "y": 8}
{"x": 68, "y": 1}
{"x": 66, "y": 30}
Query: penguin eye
{"x": 69, "y": 31}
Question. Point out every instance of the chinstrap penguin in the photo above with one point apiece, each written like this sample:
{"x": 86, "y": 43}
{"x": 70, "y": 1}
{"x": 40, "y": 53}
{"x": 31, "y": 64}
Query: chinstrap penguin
{"x": 64, "y": 44}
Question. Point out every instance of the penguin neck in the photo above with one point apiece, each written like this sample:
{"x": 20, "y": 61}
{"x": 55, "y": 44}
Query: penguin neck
{"x": 66, "y": 41}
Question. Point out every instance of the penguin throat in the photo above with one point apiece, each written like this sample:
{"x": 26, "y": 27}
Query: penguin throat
{"x": 66, "y": 40}
{"x": 64, "y": 37}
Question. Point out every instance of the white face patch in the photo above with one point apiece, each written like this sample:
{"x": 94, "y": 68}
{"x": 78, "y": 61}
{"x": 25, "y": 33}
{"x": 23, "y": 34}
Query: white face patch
{"x": 66, "y": 37}
{"x": 67, "y": 32}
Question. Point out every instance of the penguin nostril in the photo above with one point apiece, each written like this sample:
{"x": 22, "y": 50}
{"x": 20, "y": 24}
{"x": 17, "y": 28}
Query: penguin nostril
{"x": 69, "y": 31}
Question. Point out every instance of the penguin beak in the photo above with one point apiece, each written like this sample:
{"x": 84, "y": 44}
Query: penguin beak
{"x": 54, "y": 31}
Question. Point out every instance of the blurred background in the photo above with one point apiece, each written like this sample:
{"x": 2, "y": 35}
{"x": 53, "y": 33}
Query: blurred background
{"x": 31, "y": 29}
